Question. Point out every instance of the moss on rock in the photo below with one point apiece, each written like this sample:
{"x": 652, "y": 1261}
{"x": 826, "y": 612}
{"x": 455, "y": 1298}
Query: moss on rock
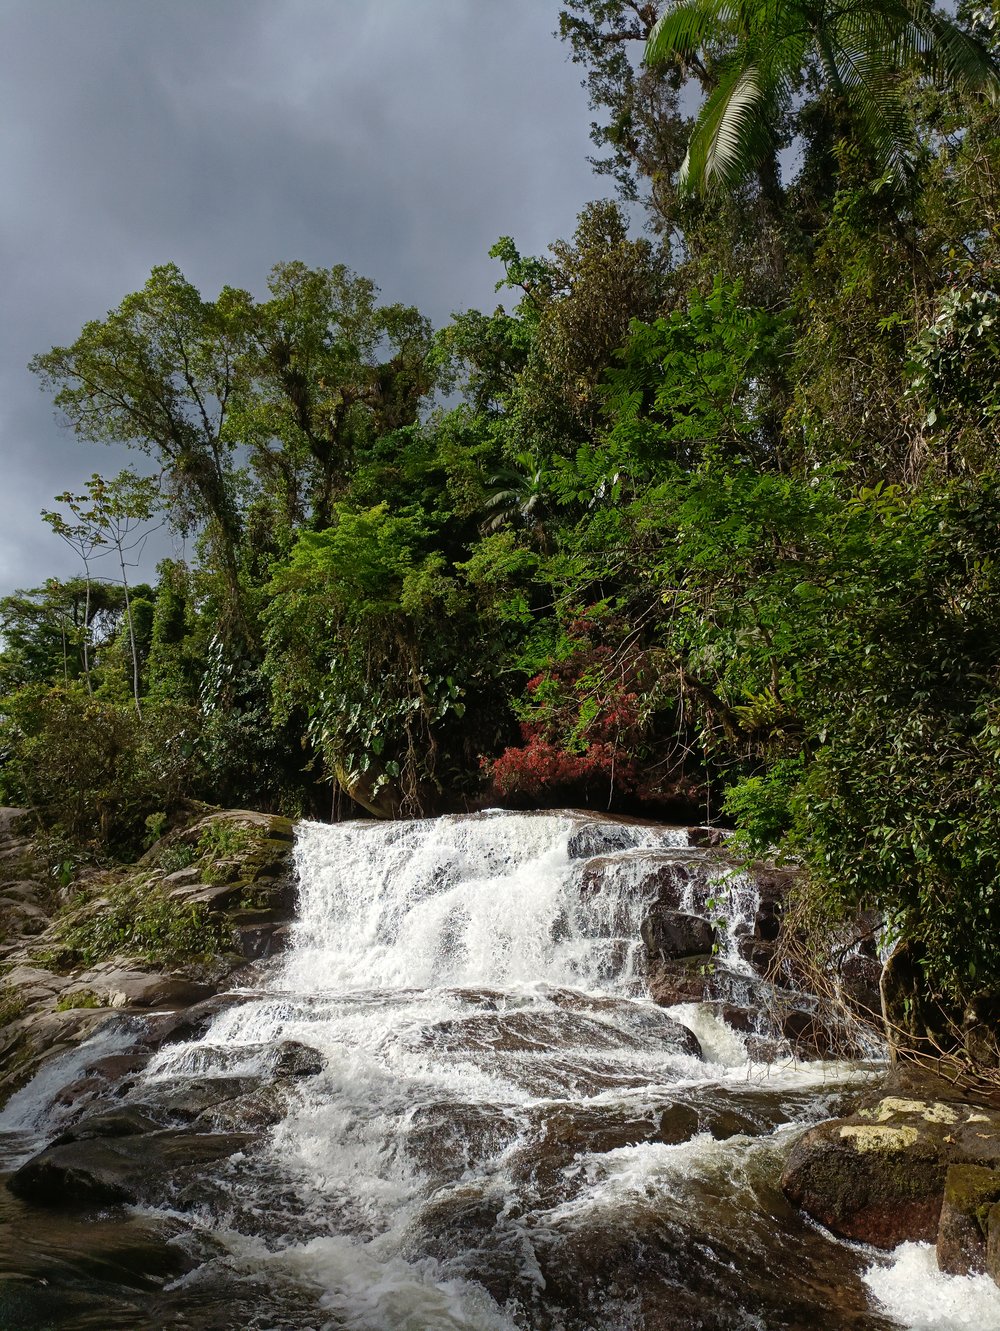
{"x": 970, "y": 1191}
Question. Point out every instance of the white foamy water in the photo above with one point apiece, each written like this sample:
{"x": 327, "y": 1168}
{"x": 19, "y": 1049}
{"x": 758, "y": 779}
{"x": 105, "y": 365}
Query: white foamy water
{"x": 911, "y": 1289}
{"x": 492, "y": 899}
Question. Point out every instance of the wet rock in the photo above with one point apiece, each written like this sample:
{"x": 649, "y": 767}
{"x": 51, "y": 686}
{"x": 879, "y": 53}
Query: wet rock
{"x": 184, "y": 1101}
{"x": 252, "y": 1112}
{"x": 559, "y": 1137}
{"x": 969, "y": 1193}
{"x": 598, "y": 838}
{"x": 39, "y": 1035}
{"x": 700, "y": 979}
{"x": 257, "y": 935}
{"x": 679, "y": 1123}
{"x": 451, "y": 1139}
{"x": 119, "y": 1169}
{"x": 679, "y": 880}
{"x": 671, "y": 933}
{"x": 879, "y": 1175}
{"x": 808, "y": 1034}
{"x": 187, "y": 1023}
{"x": 678, "y": 980}
{"x": 121, "y": 986}
{"x": 711, "y": 837}
{"x": 297, "y": 1060}
{"x": 126, "y": 1121}
{"x": 759, "y": 954}
{"x": 993, "y": 1242}
{"x": 115, "y": 1068}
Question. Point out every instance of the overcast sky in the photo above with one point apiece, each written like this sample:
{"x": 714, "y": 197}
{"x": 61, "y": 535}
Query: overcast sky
{"x": 400, "y": 137}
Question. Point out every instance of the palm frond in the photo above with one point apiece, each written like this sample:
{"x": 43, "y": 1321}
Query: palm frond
{"x": 682, "y": 31}
{"x": 726, "y": 143}
{"x": 958, "y": 57}
{"x": 885, "y": 124}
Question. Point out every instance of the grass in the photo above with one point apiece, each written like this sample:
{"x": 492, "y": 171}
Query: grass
{"x": 78, "y": 998}
{"x": 11, "y": 1005}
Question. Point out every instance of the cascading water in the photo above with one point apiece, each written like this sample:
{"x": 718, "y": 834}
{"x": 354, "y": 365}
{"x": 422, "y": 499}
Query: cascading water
{"x": 505, "y": 1133}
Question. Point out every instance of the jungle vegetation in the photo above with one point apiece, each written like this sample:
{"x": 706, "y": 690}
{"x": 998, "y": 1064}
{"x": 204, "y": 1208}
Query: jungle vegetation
{"x": 702, "y": 521}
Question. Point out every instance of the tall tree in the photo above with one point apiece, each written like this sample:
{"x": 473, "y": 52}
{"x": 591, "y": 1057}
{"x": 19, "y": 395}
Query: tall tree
{"x": 159, "y": 373}
{"x": 332, "y": 369}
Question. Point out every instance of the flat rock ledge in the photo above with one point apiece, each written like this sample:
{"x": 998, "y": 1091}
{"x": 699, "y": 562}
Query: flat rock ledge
{"x": 905, "y": 1168}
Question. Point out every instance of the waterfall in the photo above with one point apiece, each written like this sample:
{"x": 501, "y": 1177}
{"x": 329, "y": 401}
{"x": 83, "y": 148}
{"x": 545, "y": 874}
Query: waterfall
{"x": 500, "y": 1131}
{"x": 492, "y": 899}
{"x": 499, "y": 1099}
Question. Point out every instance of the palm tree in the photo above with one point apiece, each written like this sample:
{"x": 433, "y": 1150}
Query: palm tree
{"x": 759, "y": 54}
{"x": 517, "y": 498}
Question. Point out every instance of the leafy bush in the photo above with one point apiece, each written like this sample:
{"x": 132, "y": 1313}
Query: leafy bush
{"x": 177, "y": 855}
{"x": 93, "y": 769}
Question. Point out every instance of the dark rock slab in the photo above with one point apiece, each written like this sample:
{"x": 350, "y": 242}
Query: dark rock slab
{"x": 297, "y": 1060}
{"x": 700, "y": 979}
{"x": 130, "y": 1169}
{"x": 672, "y": 933}
{"x": 123, "y": 1121}
{"x": 710, "y": 837}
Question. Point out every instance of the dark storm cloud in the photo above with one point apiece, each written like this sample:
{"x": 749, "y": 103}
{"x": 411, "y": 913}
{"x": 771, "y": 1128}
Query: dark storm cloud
{"x": 398, "y": 136}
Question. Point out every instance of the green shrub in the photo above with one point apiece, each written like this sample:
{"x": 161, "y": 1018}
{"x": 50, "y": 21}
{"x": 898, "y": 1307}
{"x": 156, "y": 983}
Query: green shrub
{"x": 224, "y": 839}
{"x": 91, "y": 768}
{"x": 178, "y": 855}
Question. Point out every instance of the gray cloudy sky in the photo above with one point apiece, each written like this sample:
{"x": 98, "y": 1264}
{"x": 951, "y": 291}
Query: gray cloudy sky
{"x": 400, "y": 137}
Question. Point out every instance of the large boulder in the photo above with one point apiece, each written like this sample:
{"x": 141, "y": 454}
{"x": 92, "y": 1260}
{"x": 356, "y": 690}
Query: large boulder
{"x": 879, "y": 1176}
{"x": 238, "y": 859}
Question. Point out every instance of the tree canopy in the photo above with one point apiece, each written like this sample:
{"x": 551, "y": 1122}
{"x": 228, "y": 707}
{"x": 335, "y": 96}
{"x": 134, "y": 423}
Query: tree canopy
{"x": 700, "y": 525}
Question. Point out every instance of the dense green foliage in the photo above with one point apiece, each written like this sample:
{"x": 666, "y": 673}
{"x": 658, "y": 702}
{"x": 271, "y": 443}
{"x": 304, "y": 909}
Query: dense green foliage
{"x": 702, "y": 523}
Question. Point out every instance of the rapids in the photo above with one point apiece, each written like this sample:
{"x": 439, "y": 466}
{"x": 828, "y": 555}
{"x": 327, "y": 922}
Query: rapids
{"x": 506, "y": 1134}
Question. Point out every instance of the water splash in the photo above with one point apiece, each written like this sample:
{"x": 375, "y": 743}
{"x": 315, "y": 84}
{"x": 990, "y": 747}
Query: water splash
{"x": 915, "y": 1294}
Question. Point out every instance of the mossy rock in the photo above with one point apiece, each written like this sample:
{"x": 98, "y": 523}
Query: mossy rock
{"x": 879, "y": 1176}
{"x": 970, "y": 1191}
{"x": 993, "y": 1242}
{"x": 248, "y": 852}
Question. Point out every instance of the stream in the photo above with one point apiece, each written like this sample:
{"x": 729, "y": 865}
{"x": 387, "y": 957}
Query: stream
{"x": 503, "y": 1134}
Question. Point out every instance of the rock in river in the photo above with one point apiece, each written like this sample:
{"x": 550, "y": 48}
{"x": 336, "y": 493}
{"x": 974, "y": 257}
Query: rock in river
{"x": 879, "y": 1175}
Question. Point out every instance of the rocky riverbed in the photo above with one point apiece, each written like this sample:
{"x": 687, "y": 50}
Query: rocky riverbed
{"x": 574, "y": 1050}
